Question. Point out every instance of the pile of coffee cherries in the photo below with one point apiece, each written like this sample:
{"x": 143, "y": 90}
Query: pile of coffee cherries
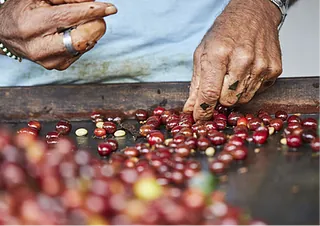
{"x": 42, "y": 183}
{"x": 155, "y": 181}
{"x": 172, "y": 136}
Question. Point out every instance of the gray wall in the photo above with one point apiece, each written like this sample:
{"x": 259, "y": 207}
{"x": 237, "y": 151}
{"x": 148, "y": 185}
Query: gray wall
{"x": 300, "y": 40}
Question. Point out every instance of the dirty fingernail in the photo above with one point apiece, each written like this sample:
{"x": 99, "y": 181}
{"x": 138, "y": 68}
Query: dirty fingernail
{"x": 111, "y": 10}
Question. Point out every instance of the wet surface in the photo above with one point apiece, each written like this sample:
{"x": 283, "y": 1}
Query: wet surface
{"x": 275, "y": 184}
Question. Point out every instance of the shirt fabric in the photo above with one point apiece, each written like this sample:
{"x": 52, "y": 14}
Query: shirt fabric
{"x": 145, "y": 41}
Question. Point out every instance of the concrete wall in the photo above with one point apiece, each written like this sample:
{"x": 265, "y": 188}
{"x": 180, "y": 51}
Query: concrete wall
{"x": 300, "y": 40}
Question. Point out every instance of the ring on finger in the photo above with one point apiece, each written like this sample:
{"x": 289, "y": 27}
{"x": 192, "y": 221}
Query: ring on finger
{"x": 67, "y": 41}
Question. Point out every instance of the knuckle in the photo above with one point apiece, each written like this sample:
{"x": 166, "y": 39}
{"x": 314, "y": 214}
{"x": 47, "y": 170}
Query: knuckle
{"x": 221, "y": 50}
{"x": 275, "y": 69}
{"x": 25, "y": 31}
{"x": 261, "y": 64}
{"x": 244, "y": 55}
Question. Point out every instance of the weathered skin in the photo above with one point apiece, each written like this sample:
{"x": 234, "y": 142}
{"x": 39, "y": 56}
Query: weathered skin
{"x": 238, "y": 54}
{"x": 32, "y": 28}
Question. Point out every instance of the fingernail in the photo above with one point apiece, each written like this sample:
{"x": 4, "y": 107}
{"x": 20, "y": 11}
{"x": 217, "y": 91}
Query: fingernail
{"x": 111, "y": 10}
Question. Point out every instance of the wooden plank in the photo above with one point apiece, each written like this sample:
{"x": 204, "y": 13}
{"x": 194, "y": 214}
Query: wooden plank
{"x": 78, "y": 101}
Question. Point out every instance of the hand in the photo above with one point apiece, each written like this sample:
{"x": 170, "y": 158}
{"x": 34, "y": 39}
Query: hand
{"x": 32, "y": 29}
{"x": 237, "y": 56}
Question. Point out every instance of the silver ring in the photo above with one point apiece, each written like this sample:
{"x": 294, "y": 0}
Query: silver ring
{"x": 67, "y": 41}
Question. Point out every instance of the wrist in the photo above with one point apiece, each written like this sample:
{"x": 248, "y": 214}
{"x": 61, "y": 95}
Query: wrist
{"x": 276, "y": 12}
{"x": 263, "y": 9}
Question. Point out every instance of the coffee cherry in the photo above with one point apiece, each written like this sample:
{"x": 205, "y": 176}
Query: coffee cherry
{"x": 52, "y": 134}
{"x": 217, "y": 138}
{"x": 155, "y": 137}
{"x": 185, "y": 123}
{"x": 165, "y": 115}
{"x": 35, "y": 124}
{"x": 175, "y": 130}
{"x": 308, "y": 135}
{"x": 113, "y": 143}
{"x": 294, "y": 141}
{"x": 281, "y": 115}
{"x": 242, "y": 134}
{"x": 104, "y": 149}
{"x": 182, "y": 150}
{"x": 186, "y": 132}
{"x": 240, "y": 153}
{"x": 221, "y": 117}
{"x": 260, "y": 136}
{"x": 110, "y": 127}
{"x": 191, "y": 142}
{"x": 63, "y": 127}
{"x": 214, "y": 113}
{"x": 210, "y": 125}
{"x": 158, "y": 111}
{"x": 52, "y": 141}
{"x": 141, "y": 115}
{"x": 220, "y": 124}
{"x": 315, "y": 145}
{"x": 254, "y": 123}
{"x": 310, "y": 123}
{"x": 217, "y": 167}
{"x": 186, "y": 116}
{"x": 294, "y": 118}
{"x": 294, "y": 125}
{"x": 154, "y": 121}
{"x": 266, "y": 119}
{"x": 172, "y": 123}
{"x": 177, "y": 177}
{"x": 179, "y": 138}
{"x": 222, "y": 109}
{"x": 240, "y": 128}
{"x": 225, "y": 157}
{"x": 201, "y": 131}
{"x": 229, "y": 148}
{"x": 145, "y": 130}
{"x": 242, "y": 121}
{"x": 203, "y": 143}
{"x": 97, "y": 117}
{"x": 131, "y": 152}
{"x": 233, "y": 118}
{"x": 236, "y": 141}
{"x": 249, "y": 116}
{"x": 262, "y": 112}
{"x": 100, "y": 133}
{"x": 28, "y": 131}
{"x": 277, "y": 124}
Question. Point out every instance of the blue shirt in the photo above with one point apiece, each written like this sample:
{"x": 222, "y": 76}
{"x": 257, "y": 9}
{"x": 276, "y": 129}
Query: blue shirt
{"x": 145, "y": 41}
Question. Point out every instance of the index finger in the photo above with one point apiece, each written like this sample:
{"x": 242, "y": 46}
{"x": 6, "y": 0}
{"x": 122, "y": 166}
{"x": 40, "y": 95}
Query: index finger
{"x": 51, "y": 19}
{"x": 213, "y": 70}
{"x": 193, "y": 92}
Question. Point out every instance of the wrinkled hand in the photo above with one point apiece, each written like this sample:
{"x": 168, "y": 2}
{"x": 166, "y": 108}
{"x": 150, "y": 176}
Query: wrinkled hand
{"x": 238, "y": 55}
{"x": 32, "y": 29}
